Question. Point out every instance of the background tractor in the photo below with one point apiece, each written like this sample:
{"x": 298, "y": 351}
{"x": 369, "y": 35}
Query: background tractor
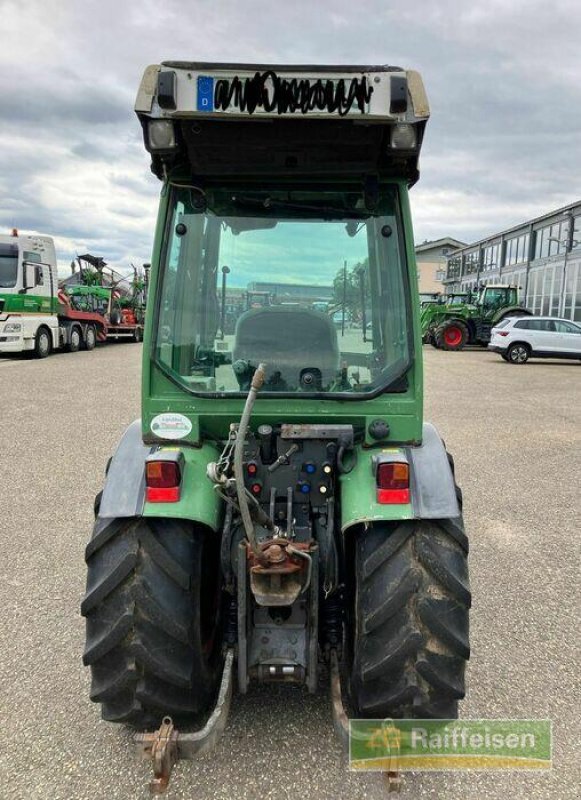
{"x": 468, "y": 318}
{"x": 281, "y": 506}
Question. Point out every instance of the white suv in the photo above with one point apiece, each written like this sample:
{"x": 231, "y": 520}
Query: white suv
{"x": 519, "y": 338}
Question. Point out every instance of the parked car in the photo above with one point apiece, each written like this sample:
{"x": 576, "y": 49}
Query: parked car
{"x": 517, "y": 339}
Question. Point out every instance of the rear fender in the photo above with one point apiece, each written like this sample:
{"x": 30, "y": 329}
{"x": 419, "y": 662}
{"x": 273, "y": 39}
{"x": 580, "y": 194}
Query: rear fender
{"x": 509, "y": 311}
{"x": 433, "y": 491}
{"x": 124, "y": 491}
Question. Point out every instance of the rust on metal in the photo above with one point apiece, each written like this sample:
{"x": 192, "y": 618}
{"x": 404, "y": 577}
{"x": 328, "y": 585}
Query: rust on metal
{"x": 161, "y": 747}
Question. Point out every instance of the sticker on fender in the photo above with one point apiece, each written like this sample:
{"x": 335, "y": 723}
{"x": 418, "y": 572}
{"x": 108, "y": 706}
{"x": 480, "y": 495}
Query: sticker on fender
{"x": 171, "y": 426}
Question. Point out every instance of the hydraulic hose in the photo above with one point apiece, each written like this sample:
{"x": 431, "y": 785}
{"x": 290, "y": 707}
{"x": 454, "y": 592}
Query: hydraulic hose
{"x": 255, "y": 385}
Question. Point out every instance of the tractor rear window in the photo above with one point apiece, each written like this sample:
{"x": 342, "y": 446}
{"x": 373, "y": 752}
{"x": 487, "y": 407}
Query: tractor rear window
{"x": 309, "y": 282}
{"x": 8, "y": 266}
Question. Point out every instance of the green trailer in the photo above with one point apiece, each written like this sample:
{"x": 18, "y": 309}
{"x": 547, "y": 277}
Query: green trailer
{"x": 281, "y": 508}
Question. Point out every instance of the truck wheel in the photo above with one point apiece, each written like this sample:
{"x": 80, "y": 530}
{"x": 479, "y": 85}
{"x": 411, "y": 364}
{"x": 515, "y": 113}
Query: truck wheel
{"x": 42, "y": 343}
{"x": 90, "y": 337}
{"x": 75, "y": 340}
{"x": 451, "y": 335}
{"x": 152, "y": 609}
{"x": 409, "y": 633}
{"x": 137, "y": 335}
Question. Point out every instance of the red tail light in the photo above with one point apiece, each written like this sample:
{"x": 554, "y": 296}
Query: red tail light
{"x": 393, "y": 482}
{"x": 162, "y": 481}
{"x": 503, "y": 333}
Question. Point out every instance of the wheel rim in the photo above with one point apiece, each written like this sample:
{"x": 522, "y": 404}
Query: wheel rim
{"x": 43, "y": 343}
{"x": 518, "y": 355}
{"x": 75, "y": 338}
{"x": 453, "y": 336}
{"x": 90, "y": 337}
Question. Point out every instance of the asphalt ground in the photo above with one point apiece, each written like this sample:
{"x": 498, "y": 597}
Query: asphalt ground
{"x": 515, "y": 432}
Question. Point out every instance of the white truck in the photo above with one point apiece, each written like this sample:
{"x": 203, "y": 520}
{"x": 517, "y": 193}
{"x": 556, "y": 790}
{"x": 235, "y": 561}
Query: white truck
{"x": 35, "y": 315}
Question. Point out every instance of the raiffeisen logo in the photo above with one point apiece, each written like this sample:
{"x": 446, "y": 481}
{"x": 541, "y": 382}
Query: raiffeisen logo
{"x": 450, "y": 744}
{"x": 266, "y": 91}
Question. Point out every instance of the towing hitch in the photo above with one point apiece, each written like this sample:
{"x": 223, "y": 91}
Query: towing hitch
{"x": 167, "y": 745}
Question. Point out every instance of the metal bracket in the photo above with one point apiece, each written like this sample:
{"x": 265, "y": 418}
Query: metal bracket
{"x": 341, "y": 725}
{"x": 166, "y": 745}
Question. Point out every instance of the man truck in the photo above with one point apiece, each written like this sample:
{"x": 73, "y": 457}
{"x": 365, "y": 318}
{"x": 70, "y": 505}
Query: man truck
{"x": 38, "y": 317}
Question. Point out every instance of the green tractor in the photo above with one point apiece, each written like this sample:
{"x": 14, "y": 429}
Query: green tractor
{"x": 281, "y": 509}
{"x": 468, "y": 318}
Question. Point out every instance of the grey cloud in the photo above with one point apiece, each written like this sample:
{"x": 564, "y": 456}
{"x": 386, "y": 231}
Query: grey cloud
{"x": 503, "y": 81}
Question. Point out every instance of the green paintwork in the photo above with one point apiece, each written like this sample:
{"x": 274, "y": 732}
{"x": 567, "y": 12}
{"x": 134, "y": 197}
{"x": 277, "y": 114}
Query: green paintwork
{"x": 358, "y": 495}
{"x": 85, "y": 291}
{"x": 28, "y": 304}
{"x": 211, "y": 416}
{"x": 199, "y": 501}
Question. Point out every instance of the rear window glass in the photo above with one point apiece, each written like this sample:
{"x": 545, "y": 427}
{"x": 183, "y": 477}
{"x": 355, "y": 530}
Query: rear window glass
{"x": 503, "y": 323}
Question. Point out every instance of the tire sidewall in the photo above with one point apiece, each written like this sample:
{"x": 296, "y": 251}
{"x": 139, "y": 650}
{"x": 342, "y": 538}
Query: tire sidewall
{"x": 76, "y": 340}
{"x": 90, "y": 338}
{"x": 40, "y": 350}
{"x": 518, "y": 354}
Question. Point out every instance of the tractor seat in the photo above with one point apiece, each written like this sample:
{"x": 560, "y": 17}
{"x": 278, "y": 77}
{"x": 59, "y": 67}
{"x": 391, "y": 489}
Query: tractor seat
{"x": 299, "y": 347}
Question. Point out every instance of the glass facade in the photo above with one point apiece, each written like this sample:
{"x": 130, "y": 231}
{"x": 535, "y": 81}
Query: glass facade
{"x": 541, "y": 257}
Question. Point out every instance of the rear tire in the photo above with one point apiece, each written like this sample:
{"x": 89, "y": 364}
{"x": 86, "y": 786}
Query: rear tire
{"x": 451, "y": 335}
{"x": 518, "y": 354}
{"x": 75, "y": 340}
{"x": 90, "y": 338}
{"x": 152, "y": 609}
{"x": 410, "y": 637}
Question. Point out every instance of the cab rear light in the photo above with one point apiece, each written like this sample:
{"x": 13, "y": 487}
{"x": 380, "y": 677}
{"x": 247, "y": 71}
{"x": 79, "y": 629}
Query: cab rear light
{"x": 162, "y": 481}
{"x": 393, "y": 482}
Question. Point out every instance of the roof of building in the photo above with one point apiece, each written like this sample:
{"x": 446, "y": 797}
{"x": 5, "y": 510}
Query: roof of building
{"x": 570, "y": 207}
{"x": 446, "y": 241}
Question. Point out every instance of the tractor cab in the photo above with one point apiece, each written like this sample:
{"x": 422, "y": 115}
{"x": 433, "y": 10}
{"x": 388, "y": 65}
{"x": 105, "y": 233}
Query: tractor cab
{"x": 495, "y": 296}
{"x": 297, "y": 179}
{"x": 455, "y": 298}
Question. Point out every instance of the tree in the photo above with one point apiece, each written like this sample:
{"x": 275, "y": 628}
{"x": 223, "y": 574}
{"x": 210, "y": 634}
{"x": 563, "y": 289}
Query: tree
{"x": 349, "y": 287}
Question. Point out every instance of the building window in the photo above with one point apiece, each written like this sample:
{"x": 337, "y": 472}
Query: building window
{"x": 440, "y": 274}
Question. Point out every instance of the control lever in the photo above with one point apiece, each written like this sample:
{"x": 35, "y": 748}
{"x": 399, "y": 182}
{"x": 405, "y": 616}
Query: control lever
{"x": 265, "y": 438}
{"x": 284, "y": 459}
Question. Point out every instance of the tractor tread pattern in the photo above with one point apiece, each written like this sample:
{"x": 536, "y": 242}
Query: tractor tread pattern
{"x": 411, "y": 619}
{"x": 440, "y": 341}
{"x": 144, "y": 640}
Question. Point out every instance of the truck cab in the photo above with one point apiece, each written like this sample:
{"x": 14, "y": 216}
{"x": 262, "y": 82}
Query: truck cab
{"x": 28, "y": 292}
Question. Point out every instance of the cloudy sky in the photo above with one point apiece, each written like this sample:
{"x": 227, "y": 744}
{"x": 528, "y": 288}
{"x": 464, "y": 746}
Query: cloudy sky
{"x": 503, "y": 78}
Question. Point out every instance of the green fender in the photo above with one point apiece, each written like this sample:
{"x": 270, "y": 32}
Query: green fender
{"x": 507, "y": 311}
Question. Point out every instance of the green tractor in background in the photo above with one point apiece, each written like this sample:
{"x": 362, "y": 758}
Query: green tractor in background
{"x": 468, "y": 318}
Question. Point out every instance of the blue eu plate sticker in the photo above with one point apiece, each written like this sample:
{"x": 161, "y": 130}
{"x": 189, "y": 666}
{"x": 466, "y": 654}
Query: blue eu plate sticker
{"x": 205, "y": 93}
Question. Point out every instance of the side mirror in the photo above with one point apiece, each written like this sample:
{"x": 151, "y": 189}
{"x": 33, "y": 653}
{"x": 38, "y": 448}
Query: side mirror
{"x": 31, "y": 276}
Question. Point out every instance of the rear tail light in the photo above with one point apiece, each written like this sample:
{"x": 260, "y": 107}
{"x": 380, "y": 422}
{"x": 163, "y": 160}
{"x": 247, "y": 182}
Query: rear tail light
{"x": 502, "y": 333}
{"x": 162, "y": 481}
{"x": 393, "y": 482}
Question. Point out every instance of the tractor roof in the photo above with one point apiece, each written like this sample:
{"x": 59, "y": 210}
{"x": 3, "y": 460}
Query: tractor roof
{"x": 209, "y": 119}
